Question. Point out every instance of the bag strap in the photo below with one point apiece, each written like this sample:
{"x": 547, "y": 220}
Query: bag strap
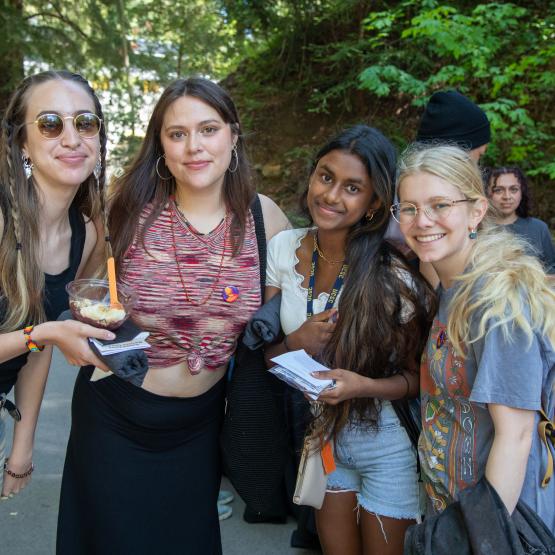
{"x": 258, "y": 217}
{"x": 546, "y": 429}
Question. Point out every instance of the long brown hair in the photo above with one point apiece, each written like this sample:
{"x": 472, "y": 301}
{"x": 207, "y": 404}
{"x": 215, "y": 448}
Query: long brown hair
{"x": 21, "y": 279}
{"x": 140, "y": 183}
{"x": 386, "y": 307}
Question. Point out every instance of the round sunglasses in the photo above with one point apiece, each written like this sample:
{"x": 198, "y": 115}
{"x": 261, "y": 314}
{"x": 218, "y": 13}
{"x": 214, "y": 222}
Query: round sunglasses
{"x": 51, "y": 126}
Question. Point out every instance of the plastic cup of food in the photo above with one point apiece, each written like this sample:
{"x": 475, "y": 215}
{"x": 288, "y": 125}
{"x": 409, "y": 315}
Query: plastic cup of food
{"x": 89, "y": 301}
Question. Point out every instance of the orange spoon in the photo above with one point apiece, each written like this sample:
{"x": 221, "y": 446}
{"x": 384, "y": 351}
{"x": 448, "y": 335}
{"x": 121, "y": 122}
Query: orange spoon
{"x": 114, "y": 303}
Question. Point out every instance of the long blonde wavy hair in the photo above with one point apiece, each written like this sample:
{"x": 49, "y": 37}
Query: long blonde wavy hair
{"x": 502, "y": 284}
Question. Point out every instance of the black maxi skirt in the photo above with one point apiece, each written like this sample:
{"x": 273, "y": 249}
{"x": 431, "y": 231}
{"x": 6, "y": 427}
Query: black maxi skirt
{"x": 142, "y": 471}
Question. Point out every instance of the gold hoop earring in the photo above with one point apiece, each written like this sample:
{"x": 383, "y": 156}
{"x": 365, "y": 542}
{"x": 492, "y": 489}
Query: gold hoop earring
{"x": 368, "y": 218}
{"x": 158, "y": 171}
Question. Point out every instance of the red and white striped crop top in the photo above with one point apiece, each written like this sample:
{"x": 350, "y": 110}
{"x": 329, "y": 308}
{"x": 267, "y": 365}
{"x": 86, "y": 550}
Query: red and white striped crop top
{"x": 182, "y": 329}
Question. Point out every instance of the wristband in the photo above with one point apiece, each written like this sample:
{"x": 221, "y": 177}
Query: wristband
{"x": 31, "y": 345}
{"x": 408, "y": 385}
{"x": 285, "y": 344}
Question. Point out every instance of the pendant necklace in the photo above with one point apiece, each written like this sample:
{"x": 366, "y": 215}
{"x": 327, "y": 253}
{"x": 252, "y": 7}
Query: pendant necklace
{"x": 216, "y": 280}
{"x": 195, "y": 361}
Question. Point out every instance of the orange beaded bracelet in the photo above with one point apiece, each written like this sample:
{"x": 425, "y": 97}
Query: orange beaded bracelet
{"x": 31, "y": 345}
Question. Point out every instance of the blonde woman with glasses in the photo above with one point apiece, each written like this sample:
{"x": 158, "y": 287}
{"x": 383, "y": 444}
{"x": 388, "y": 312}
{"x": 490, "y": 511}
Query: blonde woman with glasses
{"x": 489, "y": 365}
{"x": 52, "y": 163}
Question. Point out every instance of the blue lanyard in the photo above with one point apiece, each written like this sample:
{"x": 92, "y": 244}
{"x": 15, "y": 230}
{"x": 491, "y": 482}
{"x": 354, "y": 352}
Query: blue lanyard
{"x": 312, "y": 278}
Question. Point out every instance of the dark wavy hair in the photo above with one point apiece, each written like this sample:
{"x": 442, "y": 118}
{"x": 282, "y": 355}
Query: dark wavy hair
{"x": 525, "y": 206}
{"x": 21, "y": 279}
{"x": 140, "y": 183}
{"x": 373, "y": 336}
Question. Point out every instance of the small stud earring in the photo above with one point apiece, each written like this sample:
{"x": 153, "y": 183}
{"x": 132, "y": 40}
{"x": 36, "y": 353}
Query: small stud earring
{"x": 473, "y": 233}
{"x": 27, "y": 166}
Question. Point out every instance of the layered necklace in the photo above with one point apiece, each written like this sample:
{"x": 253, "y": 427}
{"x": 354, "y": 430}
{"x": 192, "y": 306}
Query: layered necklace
{"x": 173, "y": 216}
{"x": 336, "y": 288}
{"x": 321, "y": 254}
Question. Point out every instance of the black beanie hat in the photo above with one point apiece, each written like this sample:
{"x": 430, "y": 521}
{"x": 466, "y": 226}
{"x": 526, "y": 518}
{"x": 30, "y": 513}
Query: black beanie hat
{"x": 451, "y": 117}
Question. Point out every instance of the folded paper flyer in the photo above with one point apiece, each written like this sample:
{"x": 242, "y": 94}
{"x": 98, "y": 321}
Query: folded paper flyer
{"x": 295, "y": 368}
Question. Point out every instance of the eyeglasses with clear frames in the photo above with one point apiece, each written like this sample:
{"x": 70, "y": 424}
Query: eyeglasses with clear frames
{"x": 406, "y": 212}
{"x": 51, "y": 126}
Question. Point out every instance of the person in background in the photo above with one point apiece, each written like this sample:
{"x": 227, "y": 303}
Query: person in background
{"x": 508, "y": 192}
{"x": 489, "y": 365}
{"x": 350, "y": 299}
{"x": 142, "y": 468}
{"x": 52, "y": 166}
{"x": 452, "y": 118}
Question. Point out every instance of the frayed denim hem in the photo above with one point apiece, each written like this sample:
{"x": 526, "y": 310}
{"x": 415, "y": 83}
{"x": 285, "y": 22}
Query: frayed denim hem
{"x": 389, "y": 512}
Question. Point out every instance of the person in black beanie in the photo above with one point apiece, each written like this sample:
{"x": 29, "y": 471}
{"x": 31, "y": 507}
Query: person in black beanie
{"x": 452, "y": 118}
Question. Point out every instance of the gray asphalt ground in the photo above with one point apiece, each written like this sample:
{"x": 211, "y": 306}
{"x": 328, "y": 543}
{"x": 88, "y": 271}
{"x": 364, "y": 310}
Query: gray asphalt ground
{"x": 28, "y": 522}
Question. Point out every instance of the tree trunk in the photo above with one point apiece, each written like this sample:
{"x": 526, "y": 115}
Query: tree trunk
{"x": 12, "y": 54}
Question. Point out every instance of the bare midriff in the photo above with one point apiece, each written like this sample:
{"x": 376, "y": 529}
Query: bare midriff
{"x": 176, "y": 381}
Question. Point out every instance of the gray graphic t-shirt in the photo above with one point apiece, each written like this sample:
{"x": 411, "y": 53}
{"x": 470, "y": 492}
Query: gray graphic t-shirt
{"x": 458, "y": 431}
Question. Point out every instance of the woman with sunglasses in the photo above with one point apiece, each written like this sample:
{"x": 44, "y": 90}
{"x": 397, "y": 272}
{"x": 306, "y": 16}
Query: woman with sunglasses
{"x": 489, "y": 365}
{"x": 52, "y": 151}
{"x": 142, "y": 469}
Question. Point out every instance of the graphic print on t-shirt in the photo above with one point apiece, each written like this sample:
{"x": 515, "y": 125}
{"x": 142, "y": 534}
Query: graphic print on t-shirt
{"x": 447, "y": 444}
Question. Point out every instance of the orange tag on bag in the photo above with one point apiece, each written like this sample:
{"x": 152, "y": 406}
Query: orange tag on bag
{"x": 327, "y": 458}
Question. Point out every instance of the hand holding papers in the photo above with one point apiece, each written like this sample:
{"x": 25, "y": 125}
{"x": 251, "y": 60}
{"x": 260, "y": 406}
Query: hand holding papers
{"x": 295, "y": 369}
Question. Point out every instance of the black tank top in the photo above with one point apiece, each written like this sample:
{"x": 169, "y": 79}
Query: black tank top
{"x": 55, "y": 296}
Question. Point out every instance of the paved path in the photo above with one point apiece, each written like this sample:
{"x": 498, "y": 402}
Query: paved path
{"x": 28, "y": 522}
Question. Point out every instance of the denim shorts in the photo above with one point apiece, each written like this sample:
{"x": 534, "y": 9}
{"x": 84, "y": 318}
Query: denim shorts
{"x": 379, "y": 465}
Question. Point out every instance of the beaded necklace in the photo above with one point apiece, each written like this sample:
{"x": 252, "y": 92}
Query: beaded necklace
{"x": 173, "y": 215}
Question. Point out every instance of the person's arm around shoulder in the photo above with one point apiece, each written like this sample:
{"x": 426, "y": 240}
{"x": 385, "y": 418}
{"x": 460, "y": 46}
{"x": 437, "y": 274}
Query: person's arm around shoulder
{"x": 508, "y": 457}
{"x": 274, "y": 218}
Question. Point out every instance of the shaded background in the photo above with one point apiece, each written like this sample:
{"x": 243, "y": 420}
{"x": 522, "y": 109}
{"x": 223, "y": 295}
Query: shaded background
{"x": 300, "y": 70}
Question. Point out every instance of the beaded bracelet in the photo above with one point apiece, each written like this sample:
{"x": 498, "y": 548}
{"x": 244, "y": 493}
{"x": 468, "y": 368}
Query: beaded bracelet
{"x": 14, "y": 475}
{"x": 31, "y": 345}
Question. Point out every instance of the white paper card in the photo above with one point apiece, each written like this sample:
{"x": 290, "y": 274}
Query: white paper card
{"x": 98, "y": 374}
{"x": 295, "y": 368}
{"x": 138, "y": 342}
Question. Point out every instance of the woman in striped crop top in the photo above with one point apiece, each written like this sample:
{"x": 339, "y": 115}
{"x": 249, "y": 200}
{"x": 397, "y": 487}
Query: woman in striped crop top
{"x": 184, "y": 240}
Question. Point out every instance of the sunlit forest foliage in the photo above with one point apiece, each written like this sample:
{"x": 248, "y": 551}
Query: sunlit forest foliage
{"x": 300, "y": 69}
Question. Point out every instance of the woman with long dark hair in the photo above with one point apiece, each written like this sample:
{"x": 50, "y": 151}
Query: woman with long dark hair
{"x": 52, "y": 165}
{"x": 142, "y": 469}
{"x": 508, "y": 191}
{"x": 350, "y": 299}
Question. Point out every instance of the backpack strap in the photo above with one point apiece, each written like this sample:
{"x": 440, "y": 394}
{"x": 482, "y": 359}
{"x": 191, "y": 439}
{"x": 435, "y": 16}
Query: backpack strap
{"x": 258, "y": 217}
{"x": 546, "y": 429}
